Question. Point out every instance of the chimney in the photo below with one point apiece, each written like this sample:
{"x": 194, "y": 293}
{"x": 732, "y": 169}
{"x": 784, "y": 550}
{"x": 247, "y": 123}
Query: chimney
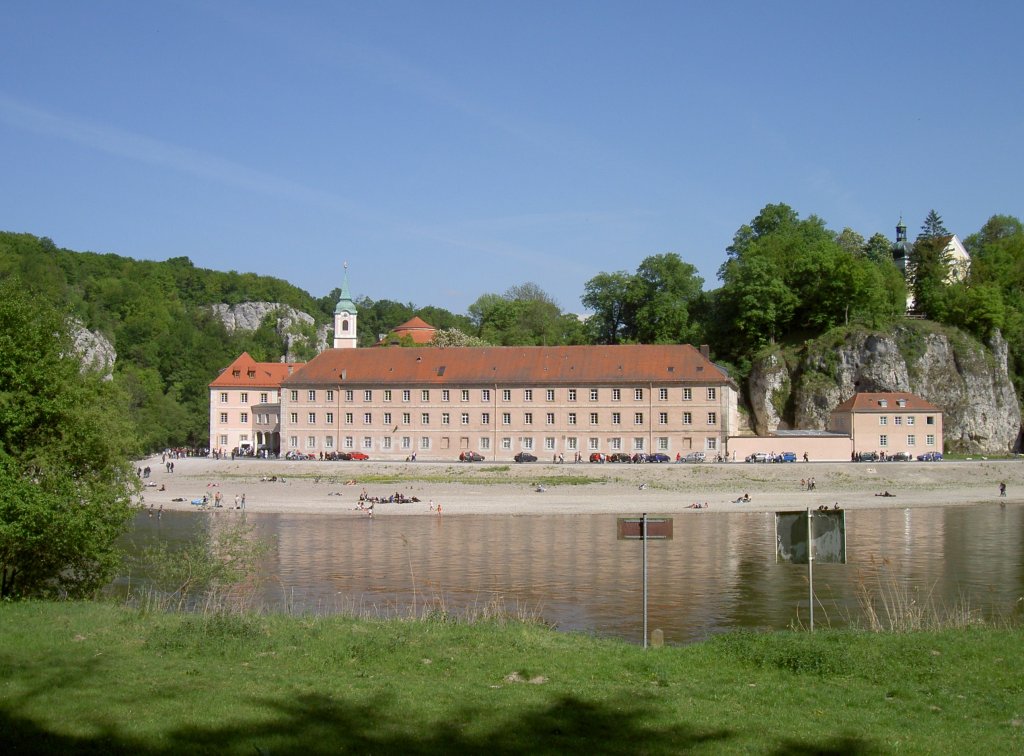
{"x": 705, "y": 351}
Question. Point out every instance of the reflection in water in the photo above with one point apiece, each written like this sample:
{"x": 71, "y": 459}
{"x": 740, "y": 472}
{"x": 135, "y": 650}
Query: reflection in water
{"x": 718, "y": 572}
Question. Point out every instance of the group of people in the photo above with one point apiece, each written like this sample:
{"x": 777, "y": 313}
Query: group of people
{"x": 808, "y": 484}
{"x": 395, "y": 498}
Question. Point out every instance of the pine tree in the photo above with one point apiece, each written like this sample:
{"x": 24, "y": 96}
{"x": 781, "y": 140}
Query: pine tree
{"x": 933, "y": 227}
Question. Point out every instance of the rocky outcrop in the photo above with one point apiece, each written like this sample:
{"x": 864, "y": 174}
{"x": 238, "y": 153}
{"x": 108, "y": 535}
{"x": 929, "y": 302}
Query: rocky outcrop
{"x": 293, "y": 326}
{"x": 94, "y": 350}
{"x": 967, "y": 381}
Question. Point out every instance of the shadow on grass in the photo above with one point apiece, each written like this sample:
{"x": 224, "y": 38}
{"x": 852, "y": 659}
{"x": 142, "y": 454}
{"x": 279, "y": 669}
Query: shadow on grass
{"x": 314, "y": 724}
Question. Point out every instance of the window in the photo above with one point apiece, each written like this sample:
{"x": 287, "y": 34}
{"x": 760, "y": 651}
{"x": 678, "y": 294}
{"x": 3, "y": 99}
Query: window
{"x": 330, "y": 418}
{"x": 883, "y": 420}
{"x": 662, "y": 443}
{"x": 711, "y": 444}
{"x": 506, "y": 418}
{"x": 294, "y": 395}
{"x": 349, "y": 419}
{"x": 572, "y": 418}
{"x": 572, "y": 395}
{"x": 446, "y": 395}
{"x": 638, "y": 394}
{"x": 385, "y": 443}
{"x": 387, "y": 395}
{"x": 592, "y": 444}
{"x": 506, "y": 395}
{"x": 615, "y": 444}
{"x": 330, "y": 395}
{"x": 638, "y": 443}
{"x": 350, "y": 395}
{"x": 616, "y": 395}
{"x": 406, "y": 418}
{"x": 572, "y": 444}
{"x": 424, "y": 442}
{"x": 485, "y": 443}
{"x": 406, "y": 395}
{"x": 638, "y": 418}
{"x": 712, "y": 393}
{"x": 367, "y": 442}
{"x": 293, "y": 417}
{"x": 712, "y": 418}
{"x": 911, "y": 440}
{"x": 224, "y": 417}
{"x": 310, "y": 442}
{"x": 244, "y": 397}
{"x": 312, "y": 395}
{"x": 224, "y": 440}
{"x": 687, "y": 394}
{"x": 528, "y": 443}
{"x": 910, "y": 419}
{"x": 263, "y": 397}
{"x": 293, "y": 441}
{"x": 662, "y": 418}
{"x": 550, "y": 418}
{"x": 593, "y": 395}
{"x": 387, "y": 418}
{"x": 528, "y": 418}
{"x": 550, "y": 395}
{"x": 446, "y": 418}
{"x": 883, "y": 402}
{"x": 485, "y": 418}
{"x": 425, "y": 418}
{"x": 527, "y": 395}
{"x": 883, "y": 440}
{"x": 485, "y": 395}
{"x": 929, "y": 440}
{"x": 929, "y": 420}
{"x": 898, "y": 420}
{"x": 223, "y": 396}
{"x": 465, "y": 418}
{"x": 312, "y": 418}
{"x": 368, "y": 395}
{"x": 549, "y": 444}
{"x": 329, "y": 442}
{"x": 425, "y": 395}
{"x": 367, "y": 418}
{"x": 465, "y": 395}
{"x": 593, "y": 418}
{"x": 506, "y": 443}
{"x": 406, "y": 442}
{"x": 663, "y": 395}
{"x": 687, "y": 418}
{"x": 616, "y": 418}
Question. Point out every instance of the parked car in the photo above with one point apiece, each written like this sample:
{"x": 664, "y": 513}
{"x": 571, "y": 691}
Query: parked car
{"x": 619, "y": 457}
{"x": 658, "y": 457}
{"x": 598, "y": 457}
{"x": 901, "y": 457}
{"x": 930, "y": 457}
{"x": 866, "y": 457}
{"x": 471, "y": 456}
{"x": 695, "y": 456}
{"x": 524, "y": 457}
{"x": 359, "y": 456}
{"x": 755, "y": 457}
{"x": 786, "y": 457}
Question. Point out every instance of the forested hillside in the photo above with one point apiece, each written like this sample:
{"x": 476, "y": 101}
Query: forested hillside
{"x": 785, "y": 280}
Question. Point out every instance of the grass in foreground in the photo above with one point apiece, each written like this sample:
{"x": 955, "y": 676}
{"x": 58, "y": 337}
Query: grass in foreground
{"x": 99, "y": 678}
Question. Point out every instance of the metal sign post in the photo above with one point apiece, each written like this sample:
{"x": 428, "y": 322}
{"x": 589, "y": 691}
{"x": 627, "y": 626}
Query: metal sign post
{"x": 644, "y": 528}
{"x": 809, "y": 536}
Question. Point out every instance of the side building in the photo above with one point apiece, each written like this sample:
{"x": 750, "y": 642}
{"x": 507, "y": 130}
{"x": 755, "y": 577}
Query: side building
{"x": 438, "y": 402}
{"x": 245, "y": 406}
{"x": 889, "y": 422}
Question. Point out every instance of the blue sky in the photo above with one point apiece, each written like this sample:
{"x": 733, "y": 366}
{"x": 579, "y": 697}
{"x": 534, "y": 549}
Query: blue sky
{"x": 451, "y": 149}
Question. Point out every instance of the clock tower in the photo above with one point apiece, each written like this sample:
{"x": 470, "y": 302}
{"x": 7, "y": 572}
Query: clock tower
{"x": 345, "y": 316}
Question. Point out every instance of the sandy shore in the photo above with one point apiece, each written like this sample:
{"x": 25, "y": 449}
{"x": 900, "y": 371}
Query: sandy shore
{"x": 508, "y": 488}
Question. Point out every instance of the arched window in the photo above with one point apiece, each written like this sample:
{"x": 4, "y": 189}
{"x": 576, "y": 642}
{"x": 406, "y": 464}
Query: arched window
{"x": 344, "y": 325}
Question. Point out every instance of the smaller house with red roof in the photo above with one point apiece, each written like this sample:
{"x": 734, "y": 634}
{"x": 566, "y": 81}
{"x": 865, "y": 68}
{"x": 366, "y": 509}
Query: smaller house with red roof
{"x": 889, "y": 422}
{"x": 245, "y": 406}
{"x": 413, "y": 332}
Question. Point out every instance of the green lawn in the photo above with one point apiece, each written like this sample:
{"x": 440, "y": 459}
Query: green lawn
{"x": 99, "y": 678}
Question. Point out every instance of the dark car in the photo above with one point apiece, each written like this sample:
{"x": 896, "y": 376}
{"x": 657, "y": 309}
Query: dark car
{"x": 866, "y": 457}
{"x": 598, "y": 457}
{"x": 930, "y": 457}
{"x": 901, "y": 457}
{"x": 471, "y": 456}
{"x": 620, "y": 457}
{"x": 359, "y": 456}
{"x": 658, "y": 457}
{"x": 524, "y": 457}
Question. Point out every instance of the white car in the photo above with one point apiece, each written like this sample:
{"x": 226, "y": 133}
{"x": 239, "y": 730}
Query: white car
{"x": 697, "y": 456}
{"x": 758, "y": 457}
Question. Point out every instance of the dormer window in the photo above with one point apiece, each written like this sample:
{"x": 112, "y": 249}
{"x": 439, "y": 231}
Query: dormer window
{"x": 252, "y": 374}
{"x": 883, "y": 402}
{"x": 236, "y": 373}
{"x": 901, "y": 402}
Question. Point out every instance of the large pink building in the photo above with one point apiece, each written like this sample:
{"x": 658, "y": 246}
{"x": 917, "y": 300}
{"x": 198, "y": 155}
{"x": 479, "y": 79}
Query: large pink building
{"x": 889, "y": 422}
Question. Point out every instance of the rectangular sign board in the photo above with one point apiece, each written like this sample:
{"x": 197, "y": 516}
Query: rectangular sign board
{"x": 828, "y": 527}
{"x": 658, "y": 528}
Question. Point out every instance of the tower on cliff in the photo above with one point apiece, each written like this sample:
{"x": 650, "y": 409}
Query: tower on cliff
{"x": 345, "y": 317}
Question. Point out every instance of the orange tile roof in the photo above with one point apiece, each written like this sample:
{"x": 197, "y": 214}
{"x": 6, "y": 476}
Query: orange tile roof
{"x": 416, "y": 329}
{"x": 870, "y": 402}
{"x": 566, "y": 365}
{"x": 246, "y": 372}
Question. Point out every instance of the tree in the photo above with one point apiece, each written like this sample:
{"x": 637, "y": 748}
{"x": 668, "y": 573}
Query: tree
{"x": 453, "y": 337}
{"x": 878, "y": 249}
{"x": 928, "y": 270}
{"x": 612, "y": 298}
{"x": 65, "y": 483}
{"x": 932, "y": 228}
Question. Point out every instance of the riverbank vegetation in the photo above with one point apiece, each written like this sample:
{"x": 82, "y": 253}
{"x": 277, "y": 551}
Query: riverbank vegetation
{"x": 103, "y": 678}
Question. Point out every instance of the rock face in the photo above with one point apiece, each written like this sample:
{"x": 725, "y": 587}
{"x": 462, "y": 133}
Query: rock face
{"x": 94, "y": 350}
{"x": 291, "y": 325}
{"x": 967, "y": 381}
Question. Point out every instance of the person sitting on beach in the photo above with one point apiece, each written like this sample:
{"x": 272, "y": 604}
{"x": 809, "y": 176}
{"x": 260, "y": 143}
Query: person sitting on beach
{"x": 744, "y": 499}
{"x": 163, "y": 487}
{"x": 885, "y": 494}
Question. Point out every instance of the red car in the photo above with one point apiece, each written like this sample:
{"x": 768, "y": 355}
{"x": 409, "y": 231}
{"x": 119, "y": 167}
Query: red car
{"x": 359, "y": 456}
{"x": 598, "y": 457}
{"x": 471, "y": 456}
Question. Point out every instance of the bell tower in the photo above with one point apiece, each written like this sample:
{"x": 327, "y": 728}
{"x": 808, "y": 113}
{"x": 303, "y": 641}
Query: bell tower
{"x": 345, "y": 317}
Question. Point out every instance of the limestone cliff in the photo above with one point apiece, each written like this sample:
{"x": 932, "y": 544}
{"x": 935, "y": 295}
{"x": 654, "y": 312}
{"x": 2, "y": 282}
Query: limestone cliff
{"x": 968, "y": 381}
{"x": 297, "y": 329}
{"x": 94, "y": 349}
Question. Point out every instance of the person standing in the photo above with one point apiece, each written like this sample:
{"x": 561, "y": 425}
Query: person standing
{"x": 1002, "y": 489}
{"x": 237, "y": 505}
{"x": 243, "y": 502}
